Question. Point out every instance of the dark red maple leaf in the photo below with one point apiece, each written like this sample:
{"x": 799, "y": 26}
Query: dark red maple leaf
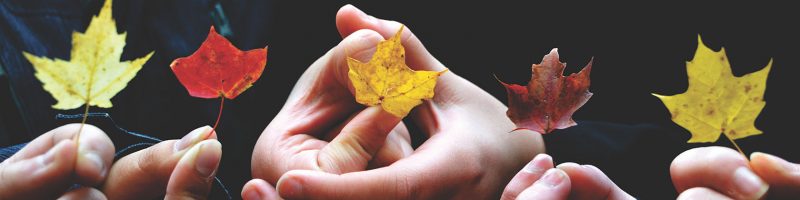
{"x": 218, "y": 69}
{"x": 549, "y": 100}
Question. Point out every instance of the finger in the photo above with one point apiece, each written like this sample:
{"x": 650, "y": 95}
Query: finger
{"x": 409, "y": 178}
{"x": 702, "y": 193}
{"x": 83, "y": 193}
{"x": 358, "y": 142}
{"x": 589, "y": 182}
{"x": 95, "y": 150}
{"x": 144, "y": 174}
{"x": 782, "y": 176}
{"x": 194, "y": 173}
{"x": 45, "y": 176}
{"x": 258, "y": 189}
{"x": 527, "y": 176}
{"x": 372, "y": 184}
{"x": 350, "y": 19}
{"x": 554, "y": 185}
{"x": 396, "y": 147}
{"x": 718, "y": 168}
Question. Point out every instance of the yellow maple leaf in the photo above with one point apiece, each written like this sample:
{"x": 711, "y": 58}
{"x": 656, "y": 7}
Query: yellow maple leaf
{"x": 94, "y": 72}
{"x": 387, "y": 81}
{"x": 717, "y": 101}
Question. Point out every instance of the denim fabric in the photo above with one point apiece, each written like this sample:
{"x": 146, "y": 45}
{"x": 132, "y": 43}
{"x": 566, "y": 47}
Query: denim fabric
{"x": 7, "y": 152}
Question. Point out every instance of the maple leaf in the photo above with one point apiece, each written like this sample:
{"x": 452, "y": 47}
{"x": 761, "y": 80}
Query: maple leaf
{"x": 716, "y": 101}
{"x": 387, "y": 81}
{"x": 549, "y": 100}
{"x": 219, "y": 70}
{"x": 94, "y": 73}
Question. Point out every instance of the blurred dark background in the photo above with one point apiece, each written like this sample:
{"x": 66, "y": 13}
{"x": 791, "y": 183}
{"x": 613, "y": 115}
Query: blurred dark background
{"x": 639, "y": 49}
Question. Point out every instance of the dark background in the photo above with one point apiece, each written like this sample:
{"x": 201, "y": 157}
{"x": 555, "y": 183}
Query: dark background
{"x": 639, "y": 49}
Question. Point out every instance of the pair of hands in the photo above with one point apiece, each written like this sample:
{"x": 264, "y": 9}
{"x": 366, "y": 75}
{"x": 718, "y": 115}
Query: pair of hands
{"x": 712, "y": 173}
{"x": 322, "y": 144}
{"x": 50, "y": 164}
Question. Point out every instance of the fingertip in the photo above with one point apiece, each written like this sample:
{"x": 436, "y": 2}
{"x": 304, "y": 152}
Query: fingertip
{"x": 760, "y": 160}
{"x": 258, "y": 189}
{"x": 719, "y": 168}
{"x": 702, "y": 193}
{"x": 554, "y": 184}
{"x": 350, "y": 19}
{"x": 568, "y": 166}
{"x": 539, "y": 164}
{"x": 83, "y": 193}
{"x": 290, "y": 185}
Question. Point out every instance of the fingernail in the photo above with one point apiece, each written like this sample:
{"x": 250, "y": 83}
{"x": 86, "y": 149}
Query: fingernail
{"x": 90, "y": 152}
{"x": 251, "y": 195}
{"x": 96, "y": 160}
{"x": 207, "y": 158}
{"x": 748, "y": 183}
{"x": 197, "y": 135}
{"x": 290, "y": 188}
{"x": 552, "y": 178}
{"x": 539, "y": 163}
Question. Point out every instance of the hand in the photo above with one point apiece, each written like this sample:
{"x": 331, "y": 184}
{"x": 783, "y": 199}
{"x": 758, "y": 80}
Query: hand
{"x": 722, "y": 173}
{"x": 47, "y": 166}
{"x": 469, "y": 152}
{"x": 540, "y": 180}
{"x": 176, "y": 169}
{"x": 44, "y": 168}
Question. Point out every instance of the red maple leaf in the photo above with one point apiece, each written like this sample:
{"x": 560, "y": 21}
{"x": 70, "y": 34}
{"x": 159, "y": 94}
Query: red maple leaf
{"x": 219, "y": 69}
{"x": 549, "y": 100}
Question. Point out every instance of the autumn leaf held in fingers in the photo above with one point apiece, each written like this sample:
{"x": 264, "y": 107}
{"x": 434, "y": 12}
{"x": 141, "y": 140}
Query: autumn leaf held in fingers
{"x": 219, "y": 70}
{"x": 94, "y": 73}
{"x": 549, "y": 100}
{"x": 716, "y": 101}
{"x": 388, "y": 82}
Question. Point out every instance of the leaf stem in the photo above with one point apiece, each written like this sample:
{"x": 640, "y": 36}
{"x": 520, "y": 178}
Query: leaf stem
{"x": 219, "y": 115}
{"x": 83, "y": 122}
{"x": 735, "y": 145}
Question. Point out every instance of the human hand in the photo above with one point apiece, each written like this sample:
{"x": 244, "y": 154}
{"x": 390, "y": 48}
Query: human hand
{"x": 722, "y": 173}
{"x": 469, "y": 152}
{"x": 540, "y": 180}
{"x": 175, "y": 169}
{"x": 47, "y": 166}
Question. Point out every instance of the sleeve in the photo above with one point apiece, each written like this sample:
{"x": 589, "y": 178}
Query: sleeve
{"x": 6, "y": 152}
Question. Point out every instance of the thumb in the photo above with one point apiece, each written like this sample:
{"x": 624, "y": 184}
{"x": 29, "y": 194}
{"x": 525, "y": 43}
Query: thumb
{"x": 358, "y": 142}
{"x": 553, "y": 185}
{"x": 194, "y": 173}
{"x": 589, "y": 182}
{"x": 258, "y": 189}
{"x": 782, "y": 176}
